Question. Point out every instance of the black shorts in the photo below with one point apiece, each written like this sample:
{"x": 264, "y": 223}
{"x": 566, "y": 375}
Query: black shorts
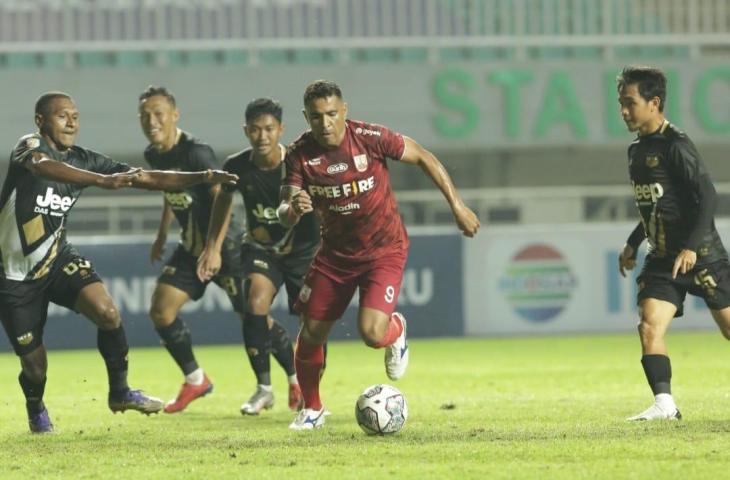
{"x": 24, "y": 305}
{"x": 710, "y": 281}
{"x": 287, "y": 269}
{"x": 180, "y": 271}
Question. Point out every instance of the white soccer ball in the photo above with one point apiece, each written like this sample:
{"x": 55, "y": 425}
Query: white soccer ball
{"x": 381, "y": 410}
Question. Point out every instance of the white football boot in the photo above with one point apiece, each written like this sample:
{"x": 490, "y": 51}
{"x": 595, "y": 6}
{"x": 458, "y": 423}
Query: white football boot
{"x": 396, "y": 355}
{"x": 260, "y": 400}
{"x": 309, "y": 419}
{"x": 656, "y": 412}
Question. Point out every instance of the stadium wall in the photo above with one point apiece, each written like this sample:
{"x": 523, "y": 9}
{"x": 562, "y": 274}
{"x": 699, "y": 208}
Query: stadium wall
{"x": 547, "y": 280}
{"x": 460, "y": 106}
{"x": 431, "y": 292}
{"x": 507, "y": 281}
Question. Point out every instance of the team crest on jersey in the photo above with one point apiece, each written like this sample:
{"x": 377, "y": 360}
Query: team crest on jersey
{"x": 261, "y": 263}
{"x": 361, "y": 162}
{"x": 304, "y": 293}
{"x": 33, "y": 142}
{"x": 652, "y": 160}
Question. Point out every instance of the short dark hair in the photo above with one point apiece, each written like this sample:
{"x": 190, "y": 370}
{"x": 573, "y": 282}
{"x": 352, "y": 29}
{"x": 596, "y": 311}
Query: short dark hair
{"x": 263, "y": 106}
{"x": 652, "y": 82}
{"x": 321, "y": 89}
{"x": 154, "y": 90}
{"x": 41, "y": 105}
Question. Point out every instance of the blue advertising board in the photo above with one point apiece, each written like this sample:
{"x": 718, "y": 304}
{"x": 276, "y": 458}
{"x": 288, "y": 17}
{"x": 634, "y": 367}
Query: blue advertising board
{"x": 430, "y": 297}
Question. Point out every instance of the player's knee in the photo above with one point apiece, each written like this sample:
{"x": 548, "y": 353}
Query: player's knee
{"x": 647, "y": 329}
{"x": 161, "y": 317}
{"x": 258, "y": 304}
{"x": 107, "y": 316}
{"x": 371, "y": 335}
{"x": 312, "y": 336}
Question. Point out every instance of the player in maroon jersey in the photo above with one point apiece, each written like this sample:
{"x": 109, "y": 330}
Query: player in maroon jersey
{"x": 338, "y": 169}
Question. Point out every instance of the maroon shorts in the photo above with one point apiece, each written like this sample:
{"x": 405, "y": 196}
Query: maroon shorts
{"x": 330, "y": 285}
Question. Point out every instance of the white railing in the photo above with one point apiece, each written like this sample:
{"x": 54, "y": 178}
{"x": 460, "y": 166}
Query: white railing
{"x": 140, "y": 214}
{"x": 110, "y": 25}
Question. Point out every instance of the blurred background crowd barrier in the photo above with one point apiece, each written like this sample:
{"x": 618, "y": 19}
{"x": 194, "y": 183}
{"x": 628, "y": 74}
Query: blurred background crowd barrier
{"x": 517, "y": 98}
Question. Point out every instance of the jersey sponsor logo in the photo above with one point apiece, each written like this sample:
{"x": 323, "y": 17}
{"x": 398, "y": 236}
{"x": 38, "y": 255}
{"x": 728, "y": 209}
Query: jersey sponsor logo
{"x": 652, "y": 160}
{"x": 32, "y": 142}
{"x": 53, "y": 203}
{"x": 644, "y": 192}
{"x": 314, "y": 161}
{"x": 337, "y": 168}
{"x": 361, "y": 162}
{"x": 265, "y": 214}
{"x": 179, "y": 200}
{"x": 345, "y": 209}
{"x": 263, "y": 264}
{"x": 345, "y": 190}
{"x": 367, "y": 131}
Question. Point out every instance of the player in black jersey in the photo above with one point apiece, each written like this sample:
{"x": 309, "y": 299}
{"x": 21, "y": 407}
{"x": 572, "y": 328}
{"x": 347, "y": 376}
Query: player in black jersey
{"x": 676, "y": 201}
{"x": 172, "y": 148}
{"x": 46, "y": 175}
{"x": 272, "y": 254}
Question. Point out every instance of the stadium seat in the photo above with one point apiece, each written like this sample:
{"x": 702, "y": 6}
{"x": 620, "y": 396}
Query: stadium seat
{"x": 94, "y": 59}
{"x": 21, "y": 60}
{"x": 132, "y": 59}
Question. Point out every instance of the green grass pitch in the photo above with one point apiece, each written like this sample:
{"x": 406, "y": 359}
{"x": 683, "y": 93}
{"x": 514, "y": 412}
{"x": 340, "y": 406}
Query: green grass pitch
{"x": 550, "y": 407}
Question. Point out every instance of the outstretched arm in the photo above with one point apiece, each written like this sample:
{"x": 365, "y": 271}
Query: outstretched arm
{"x": 209, "y": 261}
{"x": 295, "y": 202}
{"x": 43, "y": 166}
{"x": 415, "y": 154}
{"x": 168, "y": 180}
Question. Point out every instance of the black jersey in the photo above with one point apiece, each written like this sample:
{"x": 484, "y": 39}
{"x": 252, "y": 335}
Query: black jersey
{"x": 674, "y": 195}
{"x": 260, "y": 190}
{"x": 192, "y": 205}
{"x": 33, "y": 210}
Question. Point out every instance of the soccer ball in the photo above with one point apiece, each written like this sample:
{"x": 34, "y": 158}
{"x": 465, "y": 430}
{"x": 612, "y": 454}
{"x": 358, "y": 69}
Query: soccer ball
{"x": 381, "y": 410}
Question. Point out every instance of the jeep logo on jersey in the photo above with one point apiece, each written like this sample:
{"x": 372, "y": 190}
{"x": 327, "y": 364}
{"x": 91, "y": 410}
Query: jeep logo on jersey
{"x": 337, "y": 168}
{"x": 180, "y": 200}
{"x": 265, "y": 214}
{"x": 643, "y": 192}
{"x": 345, "y": 190}
{"x": 53, "y": 201}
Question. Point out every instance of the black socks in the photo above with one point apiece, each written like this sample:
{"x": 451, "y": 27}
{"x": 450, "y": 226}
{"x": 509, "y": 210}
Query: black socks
{"x": 658, "y": 372}
{"x": 33, "y": 394}
{"x": 177, "y": 341}
{"x": 113, "y": 347}
{"x": 257, "y": 340}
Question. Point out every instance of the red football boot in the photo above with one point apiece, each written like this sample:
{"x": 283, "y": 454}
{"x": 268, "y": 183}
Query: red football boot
{"x": 187, "y": 394}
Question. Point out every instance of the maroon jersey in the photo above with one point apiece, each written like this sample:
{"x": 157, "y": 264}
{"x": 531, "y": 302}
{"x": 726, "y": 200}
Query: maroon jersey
{"x": 350, "y": 190}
